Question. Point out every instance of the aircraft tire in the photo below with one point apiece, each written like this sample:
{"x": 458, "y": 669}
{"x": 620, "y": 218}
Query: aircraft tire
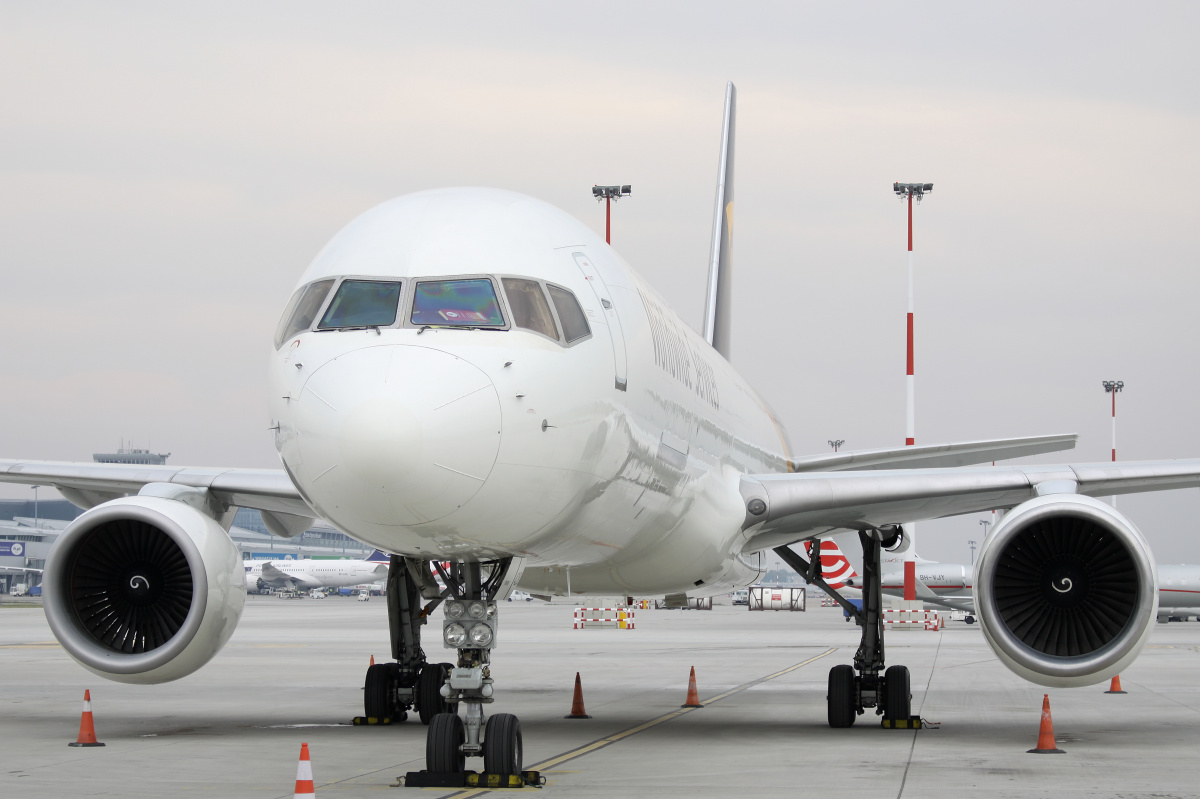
{"x": 443, "y": 744}
{"x": 502, "y": 745}
{"x": 898, "y": 696}
{"x": 377, "y": 692}
{"x": 429, "y": 692}
{"x": 840, "y": 698}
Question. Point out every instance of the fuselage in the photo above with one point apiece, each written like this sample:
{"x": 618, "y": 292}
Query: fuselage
{"x": 483, "y": 421}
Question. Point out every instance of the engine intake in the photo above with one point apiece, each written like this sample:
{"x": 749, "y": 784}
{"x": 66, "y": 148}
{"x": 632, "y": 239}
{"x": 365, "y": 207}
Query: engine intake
{"x": 1066, "y": 590}
{"x": 143, "y": 589}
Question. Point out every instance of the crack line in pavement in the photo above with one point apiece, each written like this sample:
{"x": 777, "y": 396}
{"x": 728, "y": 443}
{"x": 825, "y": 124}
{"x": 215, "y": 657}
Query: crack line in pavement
{"x": 601, "y": 743}
{"x": 924, "y": 696}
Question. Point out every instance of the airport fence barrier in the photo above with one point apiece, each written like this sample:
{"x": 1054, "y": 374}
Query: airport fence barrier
{"x": 594, "y": 618}
{"x": 904, "y": 619}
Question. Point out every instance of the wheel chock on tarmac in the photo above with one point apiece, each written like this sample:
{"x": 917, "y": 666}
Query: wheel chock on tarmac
{"x": 577, "y": 711}
{"x": 910, "y": 723}
{"x": 1046, "y": 744}
{"x": 304, "y": 779}
{"x": 693, "y": 698}
{"x": 471, "y": 779}
{"x": 87, "y": 730}
{"x": 1114, "y": 687}
{"x": 373, "y": 721}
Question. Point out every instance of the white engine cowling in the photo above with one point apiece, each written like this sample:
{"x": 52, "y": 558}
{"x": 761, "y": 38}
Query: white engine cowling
{"x": 1066, "y": 590}
{"x": 143, "y": 589}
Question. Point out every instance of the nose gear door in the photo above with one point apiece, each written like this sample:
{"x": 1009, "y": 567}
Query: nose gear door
{"x": 611, "y": 318}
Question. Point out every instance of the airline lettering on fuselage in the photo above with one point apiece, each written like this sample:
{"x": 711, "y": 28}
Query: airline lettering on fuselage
{"x": 676, "y": 356}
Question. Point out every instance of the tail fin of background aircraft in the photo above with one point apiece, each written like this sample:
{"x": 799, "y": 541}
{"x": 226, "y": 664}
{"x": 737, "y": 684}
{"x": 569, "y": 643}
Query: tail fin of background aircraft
{"x": 835, "y": 566}
{"x": 379, "y": 556}
{"x": 720, "y": 277}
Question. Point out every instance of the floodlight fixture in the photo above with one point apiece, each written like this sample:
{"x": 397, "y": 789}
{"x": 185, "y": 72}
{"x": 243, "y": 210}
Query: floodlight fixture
{"x": 608, "y": 194}
{"x": 916, "y": 191}
{"x": 836, "y": 443}
{"x": 1113, "y": 387}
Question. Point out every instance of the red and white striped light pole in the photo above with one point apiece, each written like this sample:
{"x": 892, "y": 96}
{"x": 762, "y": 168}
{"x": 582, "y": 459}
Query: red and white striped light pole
{"x": 608, "y": 194}
{"x": 909, "y": 191}
{"x": 1113, "y": 387}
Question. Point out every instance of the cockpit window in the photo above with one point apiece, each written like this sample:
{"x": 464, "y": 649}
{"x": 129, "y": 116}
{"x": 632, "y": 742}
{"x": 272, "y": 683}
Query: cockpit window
{"x": 301, "y": 310}
{"x": 529, "y": 307}
{"x": 464, "y": 303}
{"x": 574, "y": 322}
{"x": 362, "y": 303}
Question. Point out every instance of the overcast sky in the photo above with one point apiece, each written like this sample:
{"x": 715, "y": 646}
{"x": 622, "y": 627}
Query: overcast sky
{"x": 168, "y": 172}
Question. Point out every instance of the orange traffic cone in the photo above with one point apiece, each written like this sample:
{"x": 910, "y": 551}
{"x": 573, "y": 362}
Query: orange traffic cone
{"x": 87, "y": 730}
{"x": 304, "y": 780}
{"x": 577, "y": 711}
{"x": 941, "y": 621}
{"x": 372, "y": 660}
{"x": 1046, "y": 744}
{"x": 693, "y": 698}
{"x": 1114, "y": 687}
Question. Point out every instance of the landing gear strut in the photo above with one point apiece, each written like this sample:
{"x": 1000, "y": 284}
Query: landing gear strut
{"x": 471, "y": 620}
{"x": 392, "y": 689}
{"x": 852, "y": 689}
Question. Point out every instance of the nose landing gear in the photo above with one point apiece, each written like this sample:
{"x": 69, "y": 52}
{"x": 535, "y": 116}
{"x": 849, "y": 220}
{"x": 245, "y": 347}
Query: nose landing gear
{"x": 470, "y": 626}
{"x": 853, "y": 689}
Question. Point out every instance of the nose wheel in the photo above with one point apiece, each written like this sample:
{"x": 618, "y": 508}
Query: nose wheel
{"x": 444, "y": 744}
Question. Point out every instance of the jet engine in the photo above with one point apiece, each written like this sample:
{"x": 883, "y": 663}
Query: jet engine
{"x": 144, "y": 589}
{"x": 1066, "y": 590}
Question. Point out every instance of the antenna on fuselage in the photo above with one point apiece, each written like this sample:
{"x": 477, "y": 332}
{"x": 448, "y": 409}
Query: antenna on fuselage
{"x": 720, "y": 277}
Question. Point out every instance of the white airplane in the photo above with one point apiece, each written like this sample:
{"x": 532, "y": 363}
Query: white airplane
{"x": 473, "y": 376}
{"x": 306, "y": 574}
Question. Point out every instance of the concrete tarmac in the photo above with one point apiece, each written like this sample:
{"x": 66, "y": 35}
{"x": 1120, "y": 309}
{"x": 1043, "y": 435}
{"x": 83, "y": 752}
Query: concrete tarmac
{"x": 294, "y": 669}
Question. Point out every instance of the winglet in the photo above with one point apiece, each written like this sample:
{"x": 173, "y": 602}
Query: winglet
{"x": 379, "y": 556}
{"x": 717, "y": 308}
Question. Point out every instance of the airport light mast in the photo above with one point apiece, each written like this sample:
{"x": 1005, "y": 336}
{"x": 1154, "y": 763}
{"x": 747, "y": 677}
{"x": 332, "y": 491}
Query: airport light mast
{"x": 1113, "y": 387}
{"x": 836, "y": 443}
{"x": 608, "y": 194}
{"x": 909, "y": 191}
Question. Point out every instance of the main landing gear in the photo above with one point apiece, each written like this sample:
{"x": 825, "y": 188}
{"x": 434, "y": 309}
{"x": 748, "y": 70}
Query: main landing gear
{"x": 471, "y": 618}
{"x": 853, "y": 689}
{"x": 408, "y": 683}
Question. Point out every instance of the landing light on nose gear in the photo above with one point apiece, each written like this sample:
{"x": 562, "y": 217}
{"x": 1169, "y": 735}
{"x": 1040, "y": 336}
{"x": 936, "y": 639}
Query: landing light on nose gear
{"x": 852, "y": 689}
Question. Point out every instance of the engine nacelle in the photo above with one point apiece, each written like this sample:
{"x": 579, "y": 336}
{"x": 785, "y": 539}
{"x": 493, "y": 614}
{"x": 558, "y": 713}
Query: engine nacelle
{"x": 143, "y": 589}
{"x": 1066, "y": 590}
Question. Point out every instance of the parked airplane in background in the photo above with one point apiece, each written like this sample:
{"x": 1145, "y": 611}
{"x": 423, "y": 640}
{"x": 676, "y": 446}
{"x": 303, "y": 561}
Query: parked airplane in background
{"x": 473, "y": 376}
{"x": 307, "y": 574}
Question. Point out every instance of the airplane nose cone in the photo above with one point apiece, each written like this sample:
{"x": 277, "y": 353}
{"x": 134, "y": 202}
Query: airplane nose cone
{"x": 396, "y": 435}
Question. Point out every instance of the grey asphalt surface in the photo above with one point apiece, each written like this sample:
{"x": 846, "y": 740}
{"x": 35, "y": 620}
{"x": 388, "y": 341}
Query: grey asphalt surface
{"x": 294, "y": 669}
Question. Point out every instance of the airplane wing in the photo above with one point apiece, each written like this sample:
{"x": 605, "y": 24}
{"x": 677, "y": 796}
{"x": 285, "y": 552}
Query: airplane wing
{"x": 928, "y": 456}
{"x": 784, "y": 508}
{"x": 275, "y": 576}
{"x": 86, "y": 485}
